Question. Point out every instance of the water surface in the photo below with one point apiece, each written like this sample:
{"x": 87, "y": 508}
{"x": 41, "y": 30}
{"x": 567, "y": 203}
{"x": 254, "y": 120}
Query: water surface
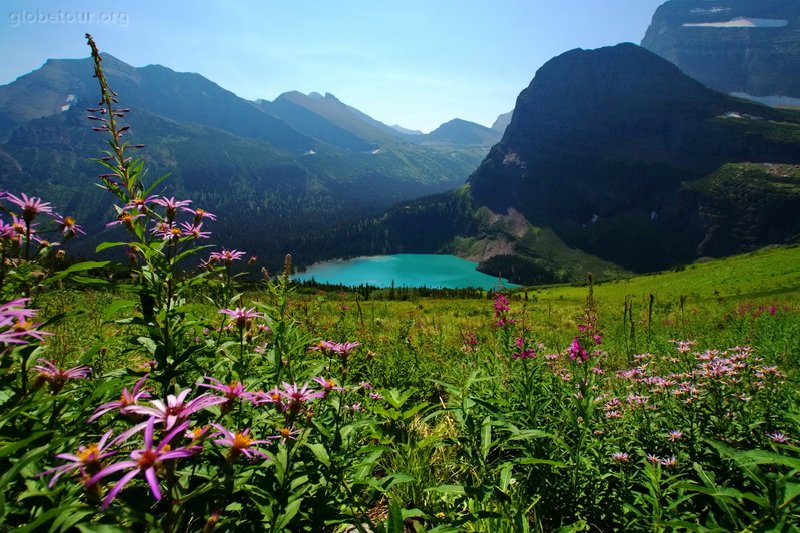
{"x": 402, "y": 270}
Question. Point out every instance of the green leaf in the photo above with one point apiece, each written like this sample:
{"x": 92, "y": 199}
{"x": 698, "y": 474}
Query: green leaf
{"x": 448, "y": 489}
{"x": 394, "y": 523}
{"x": 105, "y": 245}
{"x": 288, "y": 513}
{"x": 320, "y": 453}
{"x": 486, "y": 437}
{"x": 77, "y": 267}
{"x": 148, "y": 343}
{"x": 12, "y": 447}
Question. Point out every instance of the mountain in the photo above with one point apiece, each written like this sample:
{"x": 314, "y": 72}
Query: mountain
{"x": 614, "y": 161}
{"x": 502, "y": 122}
{"x": 463, "y": 133}
{"x": 292, "y": 166}
{"x": 750, "y": 47}
{"x": 178, "y": 96}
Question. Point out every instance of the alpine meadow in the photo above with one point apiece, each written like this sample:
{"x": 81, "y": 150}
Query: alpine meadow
{"x": 162, "y": 367}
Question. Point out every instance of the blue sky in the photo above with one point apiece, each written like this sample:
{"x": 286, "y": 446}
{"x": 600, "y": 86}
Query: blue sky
{"x": 417, "y": 63}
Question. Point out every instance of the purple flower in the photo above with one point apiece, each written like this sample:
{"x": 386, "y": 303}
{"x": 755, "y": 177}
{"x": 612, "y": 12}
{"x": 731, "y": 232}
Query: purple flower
{"x": 241, "y": 443}
{"x": 87, "y": 460}
{"x": 68, "y": 227}
{"x": 327, "y": 385}
{"x": 144, "y": 461}
{"x": 194, "y": 230}
{"x": 57, "y": 377}
{"x": 675, "y": 436}
{"x": 14, "y": 325}
{"x": 243, "y": 316}
{"x": 669, "y": 462}
{"x": 296, "y": 397}
{"x": 778, "y": 437}
{"x": 125, "y": 218}
{"x": 176, "y": 410}
{"x": 199, "y": 214}
{"x": 226, "y": 256}
{"x": 126, "y": 400}
{"x": 577, "y": 352}
{"x": 342, "y": 349}
{"x": 171, "y": 206}
{"x": 232, "y": 391}
{"x": 620, "y": 457}
{"x": 30, "y": 206}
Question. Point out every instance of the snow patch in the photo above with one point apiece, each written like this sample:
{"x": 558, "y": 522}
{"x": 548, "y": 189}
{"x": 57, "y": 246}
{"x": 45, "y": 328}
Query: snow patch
{"x": 773, "y": 101}
{"x": 376, "y": 151}
{"x": 310, "y": 152}
{"x": 68, "y": 101}
{"x": 741, "y": 22}
{"x": 712, "y": 10}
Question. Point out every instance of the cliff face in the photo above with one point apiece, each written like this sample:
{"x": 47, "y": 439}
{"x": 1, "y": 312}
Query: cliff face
{"x": 733, "y": 46}
{"x": 614, "y": 149}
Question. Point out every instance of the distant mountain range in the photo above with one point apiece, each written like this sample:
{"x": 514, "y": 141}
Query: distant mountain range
{"x": 289, "y": 167}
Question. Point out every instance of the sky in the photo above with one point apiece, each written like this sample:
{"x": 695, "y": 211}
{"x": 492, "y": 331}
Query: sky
{"x": 416, "y": 63}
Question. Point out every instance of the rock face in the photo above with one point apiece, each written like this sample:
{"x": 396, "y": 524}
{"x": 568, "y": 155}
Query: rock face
{"x": 733, "y": 46}
{"x": 614, "y": 148}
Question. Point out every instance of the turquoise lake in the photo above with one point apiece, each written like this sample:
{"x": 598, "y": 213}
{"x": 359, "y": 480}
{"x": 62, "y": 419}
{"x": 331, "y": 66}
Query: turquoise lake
{"x": 404, "y": 270}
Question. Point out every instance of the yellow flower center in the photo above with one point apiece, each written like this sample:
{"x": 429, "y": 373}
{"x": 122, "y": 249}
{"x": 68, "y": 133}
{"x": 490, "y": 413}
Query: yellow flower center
{"x": 241, "y": 441}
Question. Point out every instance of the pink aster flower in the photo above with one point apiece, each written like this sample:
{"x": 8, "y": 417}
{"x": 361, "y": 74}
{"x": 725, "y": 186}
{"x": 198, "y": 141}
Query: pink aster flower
{"x": 620, "y": 457}
{"x": 297, "y": 397}
{"x": 194, "y": 230}
{"x": 327, "y": 385}
{"x": 234, "y": 390}
{"x": 68, "y": 227}
{"x": 139, "y": 203}
{"x": 244, "y": 317}
{"x": 30, "y": 206}
{"x": 87, "y": 460}
{"x": 127, "y": 399}
{"x": 675, "y": 436}
{"x": 241, "y": 443}
{"x": 199, "y": 214}
{"x": 144, "y": 461}
{"x": 176, "y": 409}
{"x": 226, "y": 256}
{"x": 171, "y": 206}
{"x": 778, "y": 437}
{"x": 125, "y": 218}
{"x": 669, "y": 462}
{"x": 57, "y": 377}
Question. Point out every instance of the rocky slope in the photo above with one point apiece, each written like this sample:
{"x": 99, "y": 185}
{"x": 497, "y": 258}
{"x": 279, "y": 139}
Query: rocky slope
{"x": 734, "y": 46}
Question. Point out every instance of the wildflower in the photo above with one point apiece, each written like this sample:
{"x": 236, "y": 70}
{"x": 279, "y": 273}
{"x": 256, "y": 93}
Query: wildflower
{"x": 778, "y": 437}
{"x": 199, "y": 214}
{"x": 144, "y": 461}
{"x": 30, "y": 206}
{"x": 327, "y": 385}
{"x": 668, "y": 462}
{"x": 194, "y": 230}
{"x": 342, "y": 349}
{"x": 14, "y": 316}
{"x": 171, "y": 206}
{"x": 87, "y": 460}
{"x": 654, "y": 459}
{"x": 613, "y": 414}
{"x": 139, "y": 203}
{"x": 57, "y": 377}
{"x": 375, "y": 396}
{"x": 297, "y": 397}
{"x": 576, "y": 351}
{"x": 127, "y": 399}
{"x": 241, "y": 443}
{"x": 288, "y": 433}
{"x": 124, "y": 218}
{"x": 167, "y": 232}
{"x": 675, "y": 436}
{"x": 620, "y": 457}
{"x": 226, "y": 256}
{"x": 232, "y": 391}
{"x": 68, "y": 227}
{"x": 175, "y": 410}
{"x": 243, "y": 316}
